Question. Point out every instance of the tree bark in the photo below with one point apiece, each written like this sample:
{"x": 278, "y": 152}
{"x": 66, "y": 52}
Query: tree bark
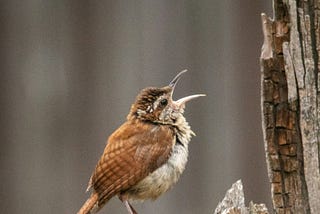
{"x": 291, "y": 104}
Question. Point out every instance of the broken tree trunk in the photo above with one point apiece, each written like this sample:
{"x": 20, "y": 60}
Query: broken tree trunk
{"x": 291, "y": 104}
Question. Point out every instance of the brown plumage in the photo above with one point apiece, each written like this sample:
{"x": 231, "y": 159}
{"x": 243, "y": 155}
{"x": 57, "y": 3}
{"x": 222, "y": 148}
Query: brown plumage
{"x": 149, "y": 149}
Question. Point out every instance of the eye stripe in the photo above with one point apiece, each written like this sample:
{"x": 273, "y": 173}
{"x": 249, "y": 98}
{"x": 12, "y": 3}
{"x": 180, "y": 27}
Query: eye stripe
{"x": 158, "y": 101}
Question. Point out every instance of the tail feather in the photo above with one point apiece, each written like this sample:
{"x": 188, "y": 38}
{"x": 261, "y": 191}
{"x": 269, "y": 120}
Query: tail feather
{"x": 91, "y": 205}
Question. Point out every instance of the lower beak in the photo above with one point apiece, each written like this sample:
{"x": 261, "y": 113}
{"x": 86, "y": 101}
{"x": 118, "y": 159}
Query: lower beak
{"x": 182, "y": 101}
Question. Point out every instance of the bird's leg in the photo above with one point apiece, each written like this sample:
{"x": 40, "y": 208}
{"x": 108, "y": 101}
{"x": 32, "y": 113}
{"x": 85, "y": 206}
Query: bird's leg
{"x": 129, "y": 207}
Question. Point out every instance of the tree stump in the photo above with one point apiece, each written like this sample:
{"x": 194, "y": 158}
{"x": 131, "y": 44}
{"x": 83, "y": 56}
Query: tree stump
{"x": 291, "y": 104}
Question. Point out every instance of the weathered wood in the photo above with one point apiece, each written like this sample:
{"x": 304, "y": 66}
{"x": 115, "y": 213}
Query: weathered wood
{"x": 234, "y": 203}
{"x": 291, "y": 104}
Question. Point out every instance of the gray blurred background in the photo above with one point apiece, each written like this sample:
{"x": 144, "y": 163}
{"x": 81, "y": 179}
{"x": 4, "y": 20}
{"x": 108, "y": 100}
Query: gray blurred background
{"x": 71, "y": 69}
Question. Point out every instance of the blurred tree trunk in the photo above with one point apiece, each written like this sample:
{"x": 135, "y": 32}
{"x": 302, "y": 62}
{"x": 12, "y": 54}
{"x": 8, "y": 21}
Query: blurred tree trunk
{"x": 291, "y": 104}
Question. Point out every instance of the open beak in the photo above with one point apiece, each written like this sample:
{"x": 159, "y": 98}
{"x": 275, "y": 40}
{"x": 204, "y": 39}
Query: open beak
{"x": 173, "y": 82}
{"x": 181, "y": 102}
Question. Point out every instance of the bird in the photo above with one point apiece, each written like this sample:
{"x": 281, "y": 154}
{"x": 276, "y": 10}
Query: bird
{"x": 147, "y": 154}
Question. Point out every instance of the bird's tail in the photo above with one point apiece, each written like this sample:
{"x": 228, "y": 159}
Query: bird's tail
{"x": 91, "y": 205}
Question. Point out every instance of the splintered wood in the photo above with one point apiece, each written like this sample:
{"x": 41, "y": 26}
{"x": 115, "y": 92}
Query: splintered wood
{"x": 291, "y": 105}
{"x": 234, "y": 203}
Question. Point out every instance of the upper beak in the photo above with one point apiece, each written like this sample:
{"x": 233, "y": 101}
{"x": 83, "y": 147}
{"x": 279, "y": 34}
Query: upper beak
{"x": 181, "y": 102}
{"x": 176, "y": 79}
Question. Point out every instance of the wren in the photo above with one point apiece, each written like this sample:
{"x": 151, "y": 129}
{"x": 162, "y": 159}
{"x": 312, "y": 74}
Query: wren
{"x": 147, "y": 154}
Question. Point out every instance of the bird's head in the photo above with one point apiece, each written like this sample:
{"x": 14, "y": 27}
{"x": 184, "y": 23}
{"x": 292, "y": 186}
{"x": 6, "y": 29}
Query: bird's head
{"x": 156, "y": 104}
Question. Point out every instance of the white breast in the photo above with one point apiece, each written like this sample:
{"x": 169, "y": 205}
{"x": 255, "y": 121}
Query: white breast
{"x": 162, "y": 179}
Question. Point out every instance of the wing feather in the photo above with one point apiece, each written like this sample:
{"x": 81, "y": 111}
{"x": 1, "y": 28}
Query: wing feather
{"x": 133, "y": 151}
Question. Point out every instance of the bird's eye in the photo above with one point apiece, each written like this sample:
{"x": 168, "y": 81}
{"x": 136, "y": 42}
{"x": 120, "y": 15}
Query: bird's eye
{"x": 164, "y": 102}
